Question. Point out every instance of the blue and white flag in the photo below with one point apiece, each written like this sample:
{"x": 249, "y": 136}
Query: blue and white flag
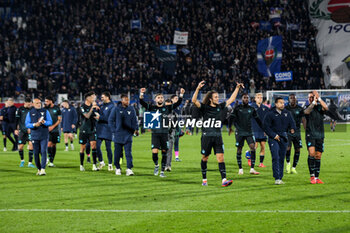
{"x": 135, "y": 24}
{"x": 169, "y": 49}
{"x": 269, "y": 53}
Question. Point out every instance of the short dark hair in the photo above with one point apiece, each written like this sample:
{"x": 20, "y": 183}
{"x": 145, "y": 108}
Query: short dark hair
{"x": 90, "y": 93}
{"x": 245, "y": 93}
{"x": 106, "y": 93}
{"x": 28, "y": 100}
{"x": 50, "y": 97}
{"x": 123, "y": 96}
{"x": 169, "y": 101}
{"x": 157, "y": 94}
{"x": 291, "y": 94}
{"x": 173, "y": 96}
{"x": 277, "y": 99}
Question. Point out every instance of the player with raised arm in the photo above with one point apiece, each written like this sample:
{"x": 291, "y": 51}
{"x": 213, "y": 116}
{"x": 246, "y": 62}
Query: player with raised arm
{"x": 160, "y": 135}
{"x": 314, "y": 114}
{"x": 211, "y": 136}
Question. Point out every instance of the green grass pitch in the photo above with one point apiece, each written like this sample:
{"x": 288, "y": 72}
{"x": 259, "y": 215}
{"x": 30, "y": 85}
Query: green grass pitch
{"x": 177, "y": 203}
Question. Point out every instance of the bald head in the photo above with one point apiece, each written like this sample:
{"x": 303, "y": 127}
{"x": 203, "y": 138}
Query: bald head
{"x": 37, "y": 103}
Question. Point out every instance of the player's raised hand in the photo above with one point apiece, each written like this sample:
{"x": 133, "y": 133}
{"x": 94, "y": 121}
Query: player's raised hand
{"x": 315, "y": 93}
{"x": 239, "y": 85}
{"x": 201, "y": 84}
{"x": 182, "y": 91}
{"x": 143, "y": 90}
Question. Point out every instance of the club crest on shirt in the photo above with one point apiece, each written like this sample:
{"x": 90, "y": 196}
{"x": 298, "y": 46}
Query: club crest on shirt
{"x": 129, "y": 112}
{"x": 285, "y": 114}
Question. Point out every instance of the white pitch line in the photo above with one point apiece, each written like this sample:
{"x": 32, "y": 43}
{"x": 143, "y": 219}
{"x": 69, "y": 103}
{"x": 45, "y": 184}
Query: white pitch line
{"x": 177, "y": 211}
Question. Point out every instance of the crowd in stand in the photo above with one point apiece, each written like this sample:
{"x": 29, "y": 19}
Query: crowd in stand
{"x": 70, "y": 46}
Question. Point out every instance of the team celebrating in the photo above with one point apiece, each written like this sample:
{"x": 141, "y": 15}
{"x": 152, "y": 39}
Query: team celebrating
{"x": 254, "y": 123}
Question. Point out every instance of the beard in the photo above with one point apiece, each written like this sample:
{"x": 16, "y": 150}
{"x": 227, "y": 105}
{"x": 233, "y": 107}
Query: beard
{"x": 160, "y": 103}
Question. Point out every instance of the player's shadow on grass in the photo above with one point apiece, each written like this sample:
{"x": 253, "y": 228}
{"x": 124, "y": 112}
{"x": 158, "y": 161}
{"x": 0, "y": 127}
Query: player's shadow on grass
{"x": 344, "y": 229}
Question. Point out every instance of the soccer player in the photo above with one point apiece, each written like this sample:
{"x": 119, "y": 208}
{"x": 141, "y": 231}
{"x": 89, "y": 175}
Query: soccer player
{"x": 69, "y": 123}
{"x": 294, "y": 139}
{"x": 38, "y": 120}
{"x": 276, "y": 124}
{"x": 171, "y": 139}
{"x": 259, "y": 134}
{"x": 333, "y": 109}
{"x": 211, "y": 136}
{"x": 4, "y": 124}
{"x": 243, "y": 115}
{"x": 10, "y": 118}
{"x": 177, "y": 112}
{"x": 89, "y": 116}
{"x": 54, "y": 129}
{"x": 124, "y": 124}
{"x": 104, "y": 132}
{"x": 314, "y": 114}
{"x": 23, "y": 133}
{"x": 160, "y": 136}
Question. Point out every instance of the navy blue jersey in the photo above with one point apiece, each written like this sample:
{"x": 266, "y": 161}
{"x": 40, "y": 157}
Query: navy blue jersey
{"x": 261, "y": 111}
{"x": 69, "y": 118}
{"x": 103, "y": 131}
{"x": 276, "y": 123}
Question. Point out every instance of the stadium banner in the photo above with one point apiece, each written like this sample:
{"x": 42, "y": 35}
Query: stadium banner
{"x": 284, "y": 76}
{"x": 292, "y": 27}
{"x": 332, "y": 20}
{"x": 265, "y": 25}
{"x": 168, "y": 60}
{"x": 32, "y": 84}
{"x": 135, "y": 24}
{"x": 299, "y": 44}
{"x": 169, "y": 49}
{"x": 180, "y": 38}
{"x": 269, "y": 53}
{"x": 275, "y": 14}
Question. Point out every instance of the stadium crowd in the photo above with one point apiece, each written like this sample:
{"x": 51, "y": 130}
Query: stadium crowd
{"x": 70, "y": 46}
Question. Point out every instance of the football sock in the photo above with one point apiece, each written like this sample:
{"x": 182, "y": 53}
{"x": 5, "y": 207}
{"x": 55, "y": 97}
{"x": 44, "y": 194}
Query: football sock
{"x": 262, "y": 158}
{"x": 11, "y": 140}
{"x": 49, "y": 153}
{"x": 288, "y": 156}
{"x": 296, "y": 159}
{"x": 82, "y": 159}
{"x": 204, "y": 169}
{"x": 317, "y": 167}
{"x": 66, "y": 144}
{"x": 30, "y": 156}
{"x": 252, "y": 158}
{"x": 94, "y": 156}
{"x": 155, "y": 158}
{"x": 53, "y": 152}
{"x": 239, "y": 160}
{"x": 21, "y": 154}
{"x": 5, "y": 141}
{"x": 222, "y": 170}
{"x": 164, "y": 157}
{"x": 311, "y": 163}
{"x": 176, "y": 154}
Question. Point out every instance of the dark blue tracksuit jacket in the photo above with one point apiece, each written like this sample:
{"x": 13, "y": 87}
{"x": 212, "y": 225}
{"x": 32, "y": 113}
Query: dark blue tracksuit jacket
{"x": 39, "y": 135}
{"x": 69, "y": 118}
{"x": 123, "y": 123}
{"x": 103, "y": 131}
{"x": 274, "y": 124}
